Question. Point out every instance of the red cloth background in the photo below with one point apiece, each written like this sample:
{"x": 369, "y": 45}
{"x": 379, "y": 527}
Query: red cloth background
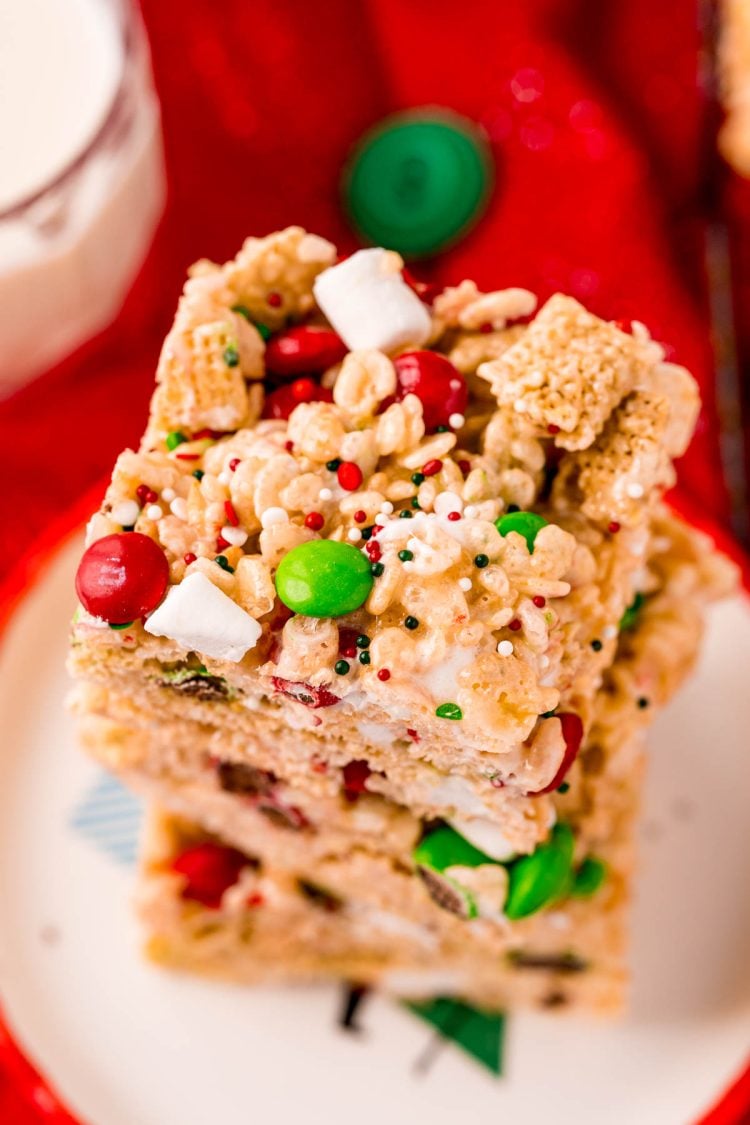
{"x": 599, "y": 127}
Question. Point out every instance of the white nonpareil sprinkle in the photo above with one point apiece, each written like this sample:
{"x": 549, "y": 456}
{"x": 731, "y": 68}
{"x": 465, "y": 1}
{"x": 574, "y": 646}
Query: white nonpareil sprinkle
{"x": 272, "y": 516}
{"x": 609, "y": 631}
{"x": 354, "y": 535}
{"x": 179, "y": 508}
{"x": 202, "y": 618}
{"x": 370, "y": 305}
{"x": 325, "y": 494}
{"x": 386, "y": 507}
{"x": 154, "y": 512}
{"x": 125, "y": 513}
{"x": 465, "y": 584}
{"x": 634, "y": 490}
{"x": 456, "y": 421}
{"x": 470, "y": 512}
{"x": 447, "y": 502}
{"x": 505, "y": 648}
{"x": 168, "y": 495}
{"x": 381, "y": 520}
{"x": 224, "y": 477}
{"x": 234, "y": 535}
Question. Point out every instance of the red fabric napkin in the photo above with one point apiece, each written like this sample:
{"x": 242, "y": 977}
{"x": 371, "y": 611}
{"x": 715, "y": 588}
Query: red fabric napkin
{"x": 597, "y": 123}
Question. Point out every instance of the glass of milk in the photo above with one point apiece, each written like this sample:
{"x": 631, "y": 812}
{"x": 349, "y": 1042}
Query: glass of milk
{"x": 81, "y": 174}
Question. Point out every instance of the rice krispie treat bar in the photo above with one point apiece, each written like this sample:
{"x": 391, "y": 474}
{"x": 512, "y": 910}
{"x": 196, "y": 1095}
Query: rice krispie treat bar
{"x": 424, "y": 550}
{"x": 356, "y": 604}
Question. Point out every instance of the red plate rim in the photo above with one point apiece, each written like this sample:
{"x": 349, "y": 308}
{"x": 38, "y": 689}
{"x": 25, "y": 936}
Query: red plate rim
{"x": 733, "y": 1105}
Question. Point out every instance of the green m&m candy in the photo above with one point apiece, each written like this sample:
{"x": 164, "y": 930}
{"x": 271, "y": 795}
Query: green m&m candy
{"x": 538, "y": 879}
{"x": 418, "y": 181}
{"x": 442, "y": 849}
{"x": 323, "y": 578}
{"x": 528, "y": 524}
{"x": 589, "y": 877}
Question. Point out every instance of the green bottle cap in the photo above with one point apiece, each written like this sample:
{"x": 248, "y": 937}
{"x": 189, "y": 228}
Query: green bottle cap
{"x": 418, "y": 181}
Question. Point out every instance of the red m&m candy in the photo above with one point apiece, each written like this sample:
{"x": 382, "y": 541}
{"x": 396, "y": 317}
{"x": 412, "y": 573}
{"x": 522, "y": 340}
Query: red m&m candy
{"x": 209, "y": 869}
{"x": 122, "y": 577}
{"x": 281, "y": 402}
{"x": 302, "y": 350}
{"x": 435, "y": 381}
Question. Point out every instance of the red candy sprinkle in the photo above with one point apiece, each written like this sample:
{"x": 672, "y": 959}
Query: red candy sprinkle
{"x": 412, "y": 734}
{"x": 355, "y": 775}
{"x": 465, "y": 467}
{"x": 539, "y": 601}
{"x": 572, "y": 730}
{"x": 188, "y": 456}
{"x": 303, "y": 349}
{"x": 486, "y": 327}
{"x": 289, "y": 446}
{"x": 189, "y": 558}
{"x": 384, "y": 674}
{"x": 306, "y": 694}
{"x": 348, "y": 641}
{"x": 122, "y": 577}
{"x": 230, "y": 513}
{"x": 281, "y": 402}
{"x": 453, "y": 516}
{"x": 233, "y": 464}
{"x": 221, "y": 543}
{"x": 314, "y": 520}
{"x": 209, "y": 869}
{"x": 349, "y": 476}
{"x": 613, "y": 527}
{"x": 435, "y": 381}
{"x": 432, "y": 467}
{"x": 515, "y": 624}
{"x": 145, "y": 495}
{"x": 374, "y": 550}
{"x": 274, "y": 300}
{"x": 360, "y": 516}
{"x": 553, "y": 429}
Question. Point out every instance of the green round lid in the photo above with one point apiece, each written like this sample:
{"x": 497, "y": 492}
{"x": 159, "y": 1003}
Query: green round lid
{"x": 417, "y": 181}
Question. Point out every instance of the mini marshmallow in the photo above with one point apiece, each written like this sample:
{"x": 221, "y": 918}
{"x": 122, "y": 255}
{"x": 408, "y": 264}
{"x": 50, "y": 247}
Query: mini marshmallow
{"x": 370, "y": 305}
{"x": 125, "y": 513}
{"x": 485, "y": 835}
{"x": 200, "y": 617}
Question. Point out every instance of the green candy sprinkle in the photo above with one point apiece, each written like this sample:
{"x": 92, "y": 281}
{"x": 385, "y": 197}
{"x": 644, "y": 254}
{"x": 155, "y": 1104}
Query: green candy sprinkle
{"x": 597, "y": 645}
{"x": 332, "y": 466}
{"x": 564, "y": 787}
{"x": 174, "y": 439}
{"x": 481, "y": 561}
{"x": 125, "y": 625}
{"x": 449, "y": 711}
{"x": 527, "y": 524}
{"x": 231, "y": 355}
{"x": 377, "y": 569}
{"x": 442, "y": 429}
{"x": 589, "y": 877}
{"x": 324, "y": 578}
{"x": 415, "y": 503}
{"x": 362, "y": 641}
{"x": 366, "y": 533}
{"x": 224, "y": 563}
{"x": 406, "y": 556}
{"x": 411, "y": 622}
{"x": 643, "y": 703}
{"x": 341, "y": 667}
{"x": 198, "y": 474}
{"x": 263, "y": 329}
{"x": 405, "y": 514}
{"x": 547, "y": 714}
{"x": 365, "y": 658}
{"x": 538, "y": 879}
{"x": 417, "y": 478}
{"x": 243, "y": 310}
{"x": 632, "y": 613}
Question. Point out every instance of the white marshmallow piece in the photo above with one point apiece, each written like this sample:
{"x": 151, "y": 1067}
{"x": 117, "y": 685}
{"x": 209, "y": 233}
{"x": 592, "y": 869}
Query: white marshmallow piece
{"x": 200, "y": 617}
{"x": 370, "y": 305}
{"x": 485, "y": 835}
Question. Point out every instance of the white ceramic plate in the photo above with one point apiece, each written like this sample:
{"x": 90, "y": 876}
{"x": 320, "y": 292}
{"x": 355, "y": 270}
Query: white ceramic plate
{"x": 127, "y": 1044}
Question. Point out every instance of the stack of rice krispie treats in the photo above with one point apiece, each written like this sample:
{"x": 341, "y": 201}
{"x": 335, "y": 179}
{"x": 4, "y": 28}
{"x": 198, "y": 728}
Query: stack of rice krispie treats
{"x": 377, "y": 619}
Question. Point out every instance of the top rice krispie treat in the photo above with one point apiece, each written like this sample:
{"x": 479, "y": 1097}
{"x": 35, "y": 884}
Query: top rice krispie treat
{"x": 357, "y": 506}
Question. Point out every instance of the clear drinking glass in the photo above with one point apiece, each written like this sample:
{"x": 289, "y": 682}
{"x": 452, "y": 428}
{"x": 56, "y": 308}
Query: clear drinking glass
{"x": 71, "y": 246}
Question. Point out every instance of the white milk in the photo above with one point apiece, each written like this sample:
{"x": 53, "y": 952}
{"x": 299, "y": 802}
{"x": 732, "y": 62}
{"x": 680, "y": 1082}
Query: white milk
{"x": 68, "y": 257}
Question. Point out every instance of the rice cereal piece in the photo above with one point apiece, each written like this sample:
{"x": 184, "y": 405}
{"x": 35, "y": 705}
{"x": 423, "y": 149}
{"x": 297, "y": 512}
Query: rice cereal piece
{"x": 197, "y": 387}
{"x": 616, "y": 478}
{"x": 567, "y": 373}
